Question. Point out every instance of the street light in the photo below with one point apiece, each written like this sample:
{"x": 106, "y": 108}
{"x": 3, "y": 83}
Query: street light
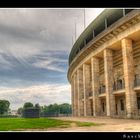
{"x": 84, "y": 18}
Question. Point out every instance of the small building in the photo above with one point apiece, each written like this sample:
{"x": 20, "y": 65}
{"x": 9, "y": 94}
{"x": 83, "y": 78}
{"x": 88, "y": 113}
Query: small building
{"x": 31, "y": 113}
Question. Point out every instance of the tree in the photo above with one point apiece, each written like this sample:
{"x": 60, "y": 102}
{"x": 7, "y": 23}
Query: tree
{"x": 55, "y": 109}
{"x": 19, "y": 111}
{"x": 65, "y": 108}
{"x": 37, "y": 106}
{"x": 44, "y": 110}
{"x": 28, "y": 105}
{"x": 4, "y": 106}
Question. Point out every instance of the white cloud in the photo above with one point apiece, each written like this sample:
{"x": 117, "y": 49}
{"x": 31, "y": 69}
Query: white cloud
{"x": 5, "y": 64}
{"x": 42, "y": 94}
{"x": 50, "y": 63}
{"x": 24, "y": 35}
{"x": 27, "y": 32}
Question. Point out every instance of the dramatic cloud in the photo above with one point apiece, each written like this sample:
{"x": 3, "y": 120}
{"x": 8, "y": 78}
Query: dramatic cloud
{"x": 34, "y": 49}
{"x": 43, "y": 94}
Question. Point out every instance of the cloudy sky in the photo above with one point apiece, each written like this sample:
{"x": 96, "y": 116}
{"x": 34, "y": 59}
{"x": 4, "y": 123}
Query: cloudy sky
{"x": 34, "y": 49}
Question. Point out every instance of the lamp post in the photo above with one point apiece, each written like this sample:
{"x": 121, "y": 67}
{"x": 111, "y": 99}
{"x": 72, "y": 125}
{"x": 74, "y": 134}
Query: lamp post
{"x": 75, "y": 30}
{"x": 84, "y": 18}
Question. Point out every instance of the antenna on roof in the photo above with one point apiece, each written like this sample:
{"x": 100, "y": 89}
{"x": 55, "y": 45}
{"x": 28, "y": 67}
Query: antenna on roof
{"x": 72, "y": 41}
{"x": 75, "y": 31}
{"x": 84, "y": 18}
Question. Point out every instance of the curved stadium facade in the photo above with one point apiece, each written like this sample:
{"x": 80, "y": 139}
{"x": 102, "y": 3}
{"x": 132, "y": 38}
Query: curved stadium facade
{"x": 104, "y": 66}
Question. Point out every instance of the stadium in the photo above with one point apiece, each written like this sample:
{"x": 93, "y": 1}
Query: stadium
{"x": 104, "y": 66}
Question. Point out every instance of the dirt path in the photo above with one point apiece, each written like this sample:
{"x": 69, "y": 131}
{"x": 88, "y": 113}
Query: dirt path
{"x": 108, "y": 124}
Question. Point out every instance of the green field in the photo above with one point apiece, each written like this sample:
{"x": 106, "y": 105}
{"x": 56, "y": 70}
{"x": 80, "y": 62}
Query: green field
{"x": 21, "y": 124}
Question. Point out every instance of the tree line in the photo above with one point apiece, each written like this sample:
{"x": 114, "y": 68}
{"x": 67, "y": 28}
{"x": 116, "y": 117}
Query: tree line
{"x": 50, "y": 110}
{"x": 55, "y": 109}
{"x": 46, "y": 110}
{"x": 4, "y": 106}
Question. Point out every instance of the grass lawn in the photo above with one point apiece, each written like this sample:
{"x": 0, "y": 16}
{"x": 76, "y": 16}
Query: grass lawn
{"x": 17, "y": 124}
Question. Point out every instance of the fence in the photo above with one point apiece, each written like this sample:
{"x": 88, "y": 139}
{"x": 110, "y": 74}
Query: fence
{"x": 136, "y": 82}
{"x": 55, "y": 115}
{"x": 118, "y": 85}
{"x": 102, "y": 89}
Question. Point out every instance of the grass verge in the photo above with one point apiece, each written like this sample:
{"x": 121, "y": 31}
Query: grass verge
{"x": 18, "y": 124}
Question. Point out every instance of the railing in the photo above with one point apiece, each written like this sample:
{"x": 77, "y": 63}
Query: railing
{"x": 104, "y": 24}
{"x": 102, "y": 89}
{"x": 138, "y": 112}
{"x": 136, "y": 82}
{"x": 118, "y": 85}
{"x": 82, "y": 96}
{"x": 90, "y": 94}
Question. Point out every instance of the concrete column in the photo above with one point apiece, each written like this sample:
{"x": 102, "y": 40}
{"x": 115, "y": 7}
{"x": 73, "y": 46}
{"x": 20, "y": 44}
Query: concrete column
{"x": 84, "y": 86}
{"x": 76, "y": 95}
{"x": 72, "y": 95}
{"x": 78, "y": 91}
{"x": 108, "y": 69}
{"x": 95, "y": 85}
{"x": 128, "y": 67}
{"x": 74, "y": 107}
{"x": 81, "y": 91}
{"x": 87, "y": 86}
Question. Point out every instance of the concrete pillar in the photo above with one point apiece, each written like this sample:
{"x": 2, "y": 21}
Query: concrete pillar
{"x": 76, "y": 95}
{"x": 72, "y": 95}
{"x": 108, "y": 69}
{"x": 128, "y": 68}
{"x": 79, "y": 90}
{"x": 86, "y": 85}
{"x": 95, "y": 85}
{"x": 74, "y": 106}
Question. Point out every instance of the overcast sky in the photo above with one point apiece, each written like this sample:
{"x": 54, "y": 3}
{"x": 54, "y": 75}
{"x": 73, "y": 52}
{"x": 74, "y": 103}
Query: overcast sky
{"x": 34, "y": 49}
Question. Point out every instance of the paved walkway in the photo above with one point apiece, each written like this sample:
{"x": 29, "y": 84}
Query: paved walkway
{"x": 108, "y": 125}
